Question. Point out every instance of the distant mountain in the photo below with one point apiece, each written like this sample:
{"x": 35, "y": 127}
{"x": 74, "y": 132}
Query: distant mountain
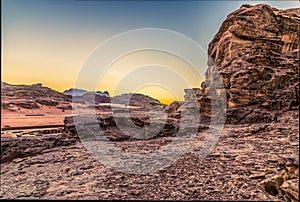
{"x": 80, "y": 92}
{"x": 75, "y": 92}
{"x": 105, "y": 93}
{"x": 34, "y": 91}
{"x": 14, "y": 97}
{"x": 136, "y": 99}
{"x": 37, "y": 96}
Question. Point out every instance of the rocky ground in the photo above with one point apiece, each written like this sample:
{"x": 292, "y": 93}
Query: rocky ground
{"x": 244, "y": 156}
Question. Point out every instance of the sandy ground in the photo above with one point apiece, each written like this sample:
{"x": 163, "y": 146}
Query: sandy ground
{"x": 51, "y": 115}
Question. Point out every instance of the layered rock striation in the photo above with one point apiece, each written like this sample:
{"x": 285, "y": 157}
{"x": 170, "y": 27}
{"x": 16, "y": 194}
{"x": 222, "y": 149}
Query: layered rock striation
{"x": 254, "y": 57}
{"x": 32, "y": 97}
{"x": 286, "y": 182}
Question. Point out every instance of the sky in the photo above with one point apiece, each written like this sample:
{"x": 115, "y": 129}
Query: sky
{"x": 52, "y": 42}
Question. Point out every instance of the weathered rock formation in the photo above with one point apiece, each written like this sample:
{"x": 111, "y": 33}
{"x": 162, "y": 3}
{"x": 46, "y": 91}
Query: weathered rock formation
{"x": 91, "y": 98}
{"x": 137, "y": 100}
{"x": 286, "y": 182}
{"x": 256, "y": 55}
{"x": 119, "y": 127}
{"x": 31, "y": 97}
{"x": 135, "y": 116}
{"x": 132, "y": 116}
{"x": 34, "y": 91}
{"x": 21, "y": 147}
{"x": 80, "y": 92}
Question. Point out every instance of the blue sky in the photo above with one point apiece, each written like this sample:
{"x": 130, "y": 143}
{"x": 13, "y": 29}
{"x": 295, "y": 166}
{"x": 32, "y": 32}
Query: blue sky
{"x": 196, "y": 19}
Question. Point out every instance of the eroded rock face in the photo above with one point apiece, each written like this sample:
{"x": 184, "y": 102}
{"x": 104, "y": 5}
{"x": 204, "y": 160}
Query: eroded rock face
{"x": 256, "y": 53}
{"x": 142, "y": 118}
{"x": 130, "y": 116}
{"x": 136, "y": 100}
{"x": 32, "y": 92}
{"x": 21, "y": 147}
{"x": 32, "y": 97}
{"x": 120, "y": 126}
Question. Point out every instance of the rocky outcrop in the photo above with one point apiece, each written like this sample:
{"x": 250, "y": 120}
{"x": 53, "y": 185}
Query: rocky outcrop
{"x": 254, "y": 59}
{"x": 16, "y": 97}
{"x": 24, "y": 104}
{"x": 286, "y": 182}
{"x": 47, "y": 102}
{"x": 91, "y": 98}
{"x": 256, "y": 55}
{"x": 135, "y": 116}
{"x": 21, "y": 147}
{"x": 28, "y": 92}
{"x": 120, "y": 126}
{"x": 144, "y": 102}
{"x": 129, "y": 111}
{"x": 80, "y": 92}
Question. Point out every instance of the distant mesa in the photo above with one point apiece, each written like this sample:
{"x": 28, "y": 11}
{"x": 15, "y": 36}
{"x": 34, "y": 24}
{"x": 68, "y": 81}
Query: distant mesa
{"x": 31, "y": 92}
{"x": 80, "y": 92}
{"x": 16, "y": 98}
{"x": 105, "y": 93}
{"x": 75, "y": 92}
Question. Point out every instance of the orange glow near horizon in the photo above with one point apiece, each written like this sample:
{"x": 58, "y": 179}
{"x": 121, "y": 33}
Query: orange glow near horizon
{"x": 157, "y": 70}
{"x": 164, "y": 95}
{"x": 157, "y": 74}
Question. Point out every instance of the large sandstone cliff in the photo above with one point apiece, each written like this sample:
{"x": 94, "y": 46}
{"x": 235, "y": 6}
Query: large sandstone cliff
{"x": 256, "y": 53}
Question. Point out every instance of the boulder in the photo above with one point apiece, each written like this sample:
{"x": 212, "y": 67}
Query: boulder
{"x": 286, "y": 182}
{"x": 24, "y": 146}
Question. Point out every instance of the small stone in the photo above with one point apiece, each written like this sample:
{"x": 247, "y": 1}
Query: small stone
{"x": 135, "y": 192}
{"x": 273, "y": 160}
{"x": 257, "y": 176}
